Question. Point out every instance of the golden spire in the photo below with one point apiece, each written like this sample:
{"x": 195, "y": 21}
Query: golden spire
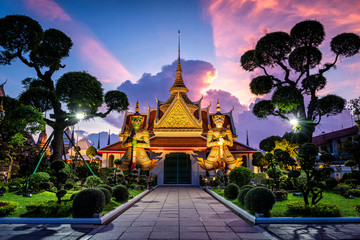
{"x": 179, "y": 83}
{"x": 137, "y": 106}
{"x": 218, "y": 109}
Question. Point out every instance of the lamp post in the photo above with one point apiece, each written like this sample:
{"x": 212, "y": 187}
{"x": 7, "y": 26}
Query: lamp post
{"x": 357, "y": 117}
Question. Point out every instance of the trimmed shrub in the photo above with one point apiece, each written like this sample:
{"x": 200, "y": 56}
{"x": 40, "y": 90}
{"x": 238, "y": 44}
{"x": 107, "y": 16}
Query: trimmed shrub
{"x": 88, "y": 202}
{"x": 243, "y": 191}
{"x": 57, "y": 165}
{"x": 246, "y": 186}
{"x": 240, "y": 176}
{"x": 260, "y": 178}
{"x": 107, "y": 194}
{"x": 259, "y": 200}
{"x": 45, "y": 185}
{"x": 15, "y": 184}
{"x": 68, "y": 186}
{"x": 231, "y": 191}
{"x": 121, "y": 193}
{"x": 7, "y": 207}
{"x": 92, "y": 181}
{"x": 48, "y": 208}
{"x": 106, "y": 187}
{"x": 37, "y": 178}
{"x": 318, "y": 210}
{"x": 60, "y": 194}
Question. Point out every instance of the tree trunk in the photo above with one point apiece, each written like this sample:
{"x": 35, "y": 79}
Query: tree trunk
{"x": 8, "y": 176}
{"x": 57, "y": 142}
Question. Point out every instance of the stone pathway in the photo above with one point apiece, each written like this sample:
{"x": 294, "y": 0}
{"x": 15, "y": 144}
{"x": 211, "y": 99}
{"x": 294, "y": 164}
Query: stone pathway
{"x": 314, "y": 231}
{"x": 43, "y": 231}
{"x": 178, "y": 213}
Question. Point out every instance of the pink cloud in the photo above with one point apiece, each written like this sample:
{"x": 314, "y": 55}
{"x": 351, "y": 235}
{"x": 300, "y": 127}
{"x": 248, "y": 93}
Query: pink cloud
{"x": 48, "y": 9}
{"x": 99, "y": 60}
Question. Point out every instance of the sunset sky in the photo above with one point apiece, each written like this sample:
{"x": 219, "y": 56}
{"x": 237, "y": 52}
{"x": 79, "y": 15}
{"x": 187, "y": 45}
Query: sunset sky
{"x": 132, "y": 46}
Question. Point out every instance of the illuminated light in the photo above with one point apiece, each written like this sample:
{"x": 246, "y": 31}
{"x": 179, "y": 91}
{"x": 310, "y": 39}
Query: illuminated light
{"x": 294, "y": 122}
{"x": 80, "y": 116}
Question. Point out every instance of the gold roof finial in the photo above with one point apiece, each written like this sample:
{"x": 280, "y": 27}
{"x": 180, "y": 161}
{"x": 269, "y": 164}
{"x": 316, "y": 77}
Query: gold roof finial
{"x": 218, "y": 109}
{"x": 137, "y": 106}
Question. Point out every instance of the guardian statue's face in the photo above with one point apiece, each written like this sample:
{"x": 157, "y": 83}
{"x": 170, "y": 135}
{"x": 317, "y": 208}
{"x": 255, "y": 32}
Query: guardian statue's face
{"x": 136, "y": 122}
{"x": 219, "y": 120}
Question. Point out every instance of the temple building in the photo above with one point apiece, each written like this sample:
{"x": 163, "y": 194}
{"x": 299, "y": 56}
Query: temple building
{"x": 177, "y": 132}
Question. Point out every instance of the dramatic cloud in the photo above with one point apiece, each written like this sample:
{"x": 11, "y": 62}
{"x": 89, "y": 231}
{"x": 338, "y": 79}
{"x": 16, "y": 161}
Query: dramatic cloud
{"x": 197, "y": 76}
{"x": 238, "y": 24}
{"x": 98, "y": 59}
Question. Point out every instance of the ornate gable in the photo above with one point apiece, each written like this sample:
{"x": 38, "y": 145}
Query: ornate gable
{"x": 178, "y": 120}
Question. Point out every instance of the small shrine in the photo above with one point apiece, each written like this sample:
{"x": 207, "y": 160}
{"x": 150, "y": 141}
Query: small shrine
{"x": 178, "y": 140}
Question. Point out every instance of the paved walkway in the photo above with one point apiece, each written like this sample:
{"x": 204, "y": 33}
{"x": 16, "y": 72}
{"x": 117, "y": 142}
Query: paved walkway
{"x": 178, "y": 213}
{"x": 314, "y": 231}
{"x": 43, "y": 231}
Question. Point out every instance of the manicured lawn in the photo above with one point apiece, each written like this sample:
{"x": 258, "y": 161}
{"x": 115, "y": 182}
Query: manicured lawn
{"x": 52, "y": 196}
{"x": 345, "y": 205}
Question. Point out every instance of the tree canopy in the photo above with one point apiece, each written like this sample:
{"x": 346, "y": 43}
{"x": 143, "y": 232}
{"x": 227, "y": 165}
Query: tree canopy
{"x": 297, "y": 73}
{"x": 23, "y": 38}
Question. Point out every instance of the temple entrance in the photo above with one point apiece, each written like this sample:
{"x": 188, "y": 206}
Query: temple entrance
{"x": 177, "y": 169}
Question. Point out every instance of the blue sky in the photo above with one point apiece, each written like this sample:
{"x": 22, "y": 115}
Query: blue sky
{"x": 132, "y": 46}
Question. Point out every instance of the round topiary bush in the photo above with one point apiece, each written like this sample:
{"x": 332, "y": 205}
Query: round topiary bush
{"x": 106, "y": 187}
{"x": 92, "y": 181}
{"x": 241, "y": 176}
{"x": 37, "y": 178}
{"x": 243, "y": 191}
{"x": 68, "y": 186}
{"x": 107, "y": 194}
{"x": 121, "y": 193}
{"x": 88, "y": 202}
{"x": 7, "y": 207}
{"x": 231, "y": 191}
{"x": 246, "y": 186}
{"x": 259, "y": 200}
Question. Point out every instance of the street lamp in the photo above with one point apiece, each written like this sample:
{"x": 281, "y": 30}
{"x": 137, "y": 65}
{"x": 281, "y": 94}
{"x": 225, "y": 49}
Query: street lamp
{"x": 357, "y": 117}
{"x": 80, "y": 116}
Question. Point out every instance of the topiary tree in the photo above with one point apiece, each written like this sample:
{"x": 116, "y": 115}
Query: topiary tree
{"x": 93, "y": 181}
{"x": 259, "y": 200}
{"x": 297, "y": 55}
{"x": 259, "y": 161}
{"x": 240, "y": 176}
{"x": 231, "y": 191}
{"x": 91, "y": 152}
{"x": 23, "y": 38}
{"x": 88, "y": 202}
{"x": 38, "y": 178}
{"x": 121, "y": 193}
{"x": 317, "y": 179}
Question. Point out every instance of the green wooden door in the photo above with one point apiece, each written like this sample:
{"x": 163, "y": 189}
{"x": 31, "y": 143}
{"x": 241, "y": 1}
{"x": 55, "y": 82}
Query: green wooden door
{"x": 177, "y": 169}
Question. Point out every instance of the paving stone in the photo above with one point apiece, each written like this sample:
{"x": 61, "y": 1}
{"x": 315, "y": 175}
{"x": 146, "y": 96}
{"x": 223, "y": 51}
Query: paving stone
{"x": 134, "y": 235}
{"x": 192, "y": 229}
{"x": 223, "y": 235}
{"x": 194, "y": 235}
{"x": 164, "y": 235}
{"x": 257, "y": 236}
{"x": 244, "y": 229}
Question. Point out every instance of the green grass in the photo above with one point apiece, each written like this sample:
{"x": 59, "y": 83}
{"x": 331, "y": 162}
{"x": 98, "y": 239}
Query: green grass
{"x": 21, "y": 210}
{"x": 346, "y": 206}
